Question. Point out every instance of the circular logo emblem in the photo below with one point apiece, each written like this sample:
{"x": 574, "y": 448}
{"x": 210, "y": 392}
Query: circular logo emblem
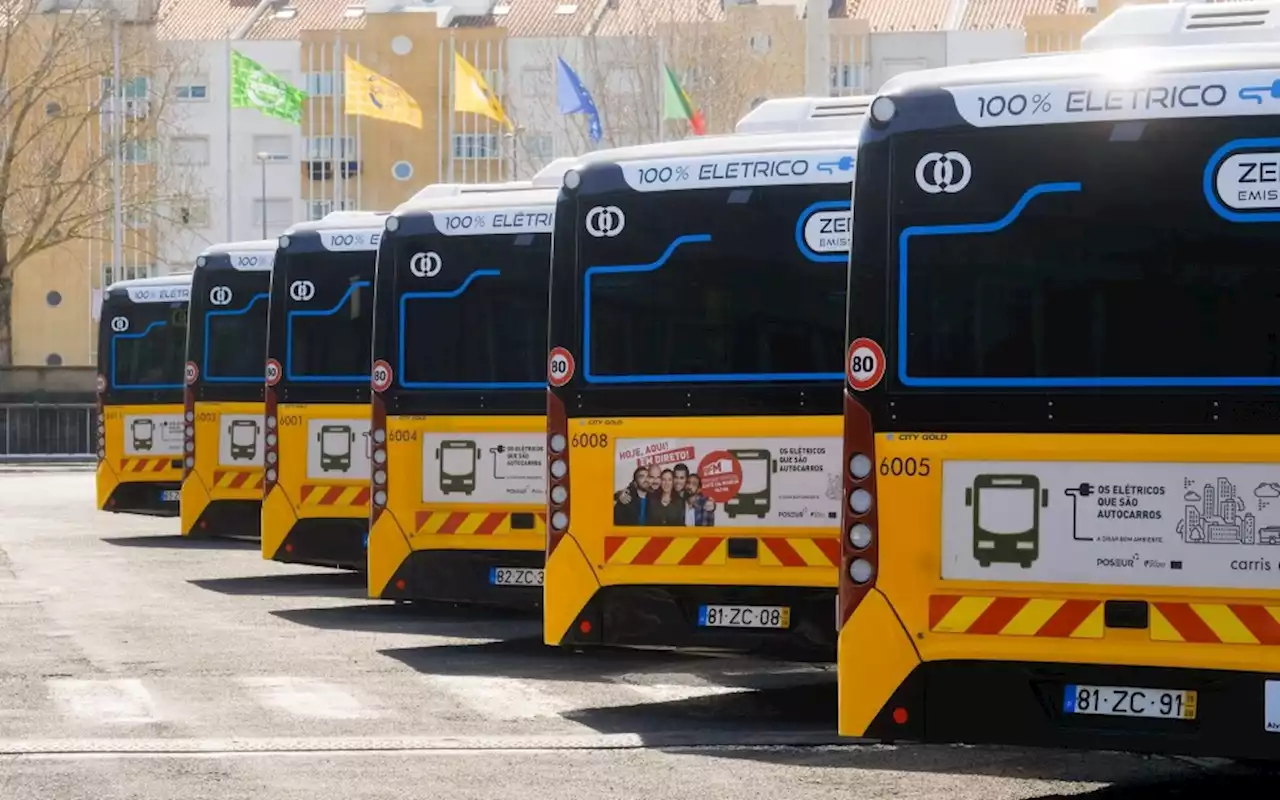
{"x": 220, "y": 295}
{"x": 119, "y": 324}
{"x": 943, "y": 172}
{"x": 101, "y": 383}
{"x": 273, "y": 372}
{"x": 425, "y": 265}
{"x": 381, "y": 376}
{"x": 559, "y": 367}
{"x": 865, "y": 365}
{"x": 263, "y": 94}
{"x": 190, "y": 372}
{"x": 302, "y": 291}
{"x": 605, "y": 221}
{"x": 721, "y": 475}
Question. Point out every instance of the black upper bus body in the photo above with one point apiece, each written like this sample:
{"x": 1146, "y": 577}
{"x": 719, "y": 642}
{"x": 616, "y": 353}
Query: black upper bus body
{"x": 227, "y": 343}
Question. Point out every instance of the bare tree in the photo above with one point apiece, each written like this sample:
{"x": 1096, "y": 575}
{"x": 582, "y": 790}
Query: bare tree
{"x": 76, "y": 144}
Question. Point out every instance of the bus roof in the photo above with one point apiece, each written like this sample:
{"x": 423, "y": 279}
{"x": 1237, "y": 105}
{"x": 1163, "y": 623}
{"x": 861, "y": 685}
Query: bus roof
{"x": 729, "y": 144}
{"x": 1186, "y": 24}
{"x": 1118, "y": 66}
{"x": 250, "y": 256}
{"x": 153, "y": 290}
{"x": 528, "y": 195}
{"x": 805, "y": 114}
{"x": 341, "y": 220}
{"x": 250, "y": 246}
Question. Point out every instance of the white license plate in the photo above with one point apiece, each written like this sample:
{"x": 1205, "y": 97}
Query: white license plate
{"x": 515, "y": 576}
{"x": 170, "y": 495}
{"x": 1129, "y": 701}
{"x": 744, "y": 617}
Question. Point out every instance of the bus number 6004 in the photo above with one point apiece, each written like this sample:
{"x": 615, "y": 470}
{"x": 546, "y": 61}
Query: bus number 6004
{"x": 910, "y": 467}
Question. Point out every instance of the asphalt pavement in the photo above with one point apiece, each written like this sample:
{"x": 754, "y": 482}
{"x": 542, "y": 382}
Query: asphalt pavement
{"x": 136, "y": 664}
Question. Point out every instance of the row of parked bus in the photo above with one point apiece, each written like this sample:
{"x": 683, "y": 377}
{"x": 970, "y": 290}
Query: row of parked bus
{"x": 1001, "y": 437}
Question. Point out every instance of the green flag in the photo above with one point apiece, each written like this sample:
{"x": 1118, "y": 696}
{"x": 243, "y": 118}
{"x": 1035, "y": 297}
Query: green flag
{"x": 253, "y": 86}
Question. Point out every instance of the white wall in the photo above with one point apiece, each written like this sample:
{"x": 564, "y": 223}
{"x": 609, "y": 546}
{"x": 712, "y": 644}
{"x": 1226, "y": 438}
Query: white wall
{"x": 210, "y": 117}
{"x": 970, "y": 47}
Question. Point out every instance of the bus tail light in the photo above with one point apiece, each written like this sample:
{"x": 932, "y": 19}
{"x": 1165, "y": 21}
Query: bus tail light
{"x": 188, "y": 431}
{"x": 380, "y": 474}
{"x": 557, "y": 472}
{"x": 860, "y": 533}
{"x": 102, "y": 418}
{"x": 271, "y": 450}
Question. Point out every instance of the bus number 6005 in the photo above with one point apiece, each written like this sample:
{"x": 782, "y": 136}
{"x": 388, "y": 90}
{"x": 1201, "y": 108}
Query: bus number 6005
{"x": 910, "y": 467}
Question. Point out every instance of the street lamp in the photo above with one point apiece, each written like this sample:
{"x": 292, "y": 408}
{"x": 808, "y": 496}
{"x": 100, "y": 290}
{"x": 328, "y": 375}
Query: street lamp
{"x": 262, "y": 158}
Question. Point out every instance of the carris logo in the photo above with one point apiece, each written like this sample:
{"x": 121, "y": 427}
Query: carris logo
{"x": 302, "y": 291}
{"x": 946, "y": 172}
{"x": 605, "y": 221}
{"x": 425, "y": 265}
{"x": 119, "y": 324}
{"x": 220, "y": 295}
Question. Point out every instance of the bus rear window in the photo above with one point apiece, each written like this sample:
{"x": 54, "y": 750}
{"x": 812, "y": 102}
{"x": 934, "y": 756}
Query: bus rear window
{"x": 151, "y": 352}
{"x": 330, "y": 339}
{"x": 485, "y": 328}
{"x": 236, "y": 341}
{"x": 713, "y": 288}
{"x": 1117, "y": 273}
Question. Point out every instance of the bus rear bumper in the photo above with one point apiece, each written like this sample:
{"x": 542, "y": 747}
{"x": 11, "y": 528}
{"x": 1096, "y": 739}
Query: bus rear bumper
{"x": 1021, "y": 703}
{"x": 241, "y": 519}
{"x": 668, "y": 616}
{"x": 150, "y": 498}
{"x": 326, "y": 542}
{"x": 465, "y": 576}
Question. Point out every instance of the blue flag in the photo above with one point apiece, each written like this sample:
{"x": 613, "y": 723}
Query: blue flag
{"x": 574, "y": 98}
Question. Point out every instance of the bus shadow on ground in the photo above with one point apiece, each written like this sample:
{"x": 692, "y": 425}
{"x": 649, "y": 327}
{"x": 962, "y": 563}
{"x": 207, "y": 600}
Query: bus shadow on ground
{"x": 309, "y": 584}
{"x": 426, "y": 619}
{"x": 530, "y": 659}
{"x": 1259, "y": 785}
{"x": 1135, "y": 776}
{"x": 171, "y": 542}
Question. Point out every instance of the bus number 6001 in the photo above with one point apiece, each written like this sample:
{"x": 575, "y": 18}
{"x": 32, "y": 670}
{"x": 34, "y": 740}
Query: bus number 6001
{"x": 910, "y": 467}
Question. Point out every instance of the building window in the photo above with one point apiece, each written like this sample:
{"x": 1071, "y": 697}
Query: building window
{"x": 135, "y": 88}
{"x": 53, "y": 298}
{"x": 845, "y": 78}
{"x": 277, "y": 148}
{"x": 323, "y": 84}
{"x": 195, "y": 89}
{"x": 53, "y": 360}
{"x": 539, "y": 145}
{"x": 193, "y": 213}
{"x": 127, "y": 273}
{"x": 761, "y": 42}
{"x": 317, "y": 209}
{"x": 475, "y": 146}
{"x": 402, "y": 170}
{"x": 321, "y": 148}
{"x": 191, "y": 149}
{"x": 137, "y": 217}
{"x": 136, "y": 151}
{"x": 279, "y": 214}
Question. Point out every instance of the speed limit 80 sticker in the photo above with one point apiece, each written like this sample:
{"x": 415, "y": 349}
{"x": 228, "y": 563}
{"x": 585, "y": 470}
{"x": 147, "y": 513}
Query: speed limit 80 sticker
{"x": 865, "y": 364}
{"x": 381, "y": 376}
{"x": 273, "y": 372}
{"x": 560, "y": 367}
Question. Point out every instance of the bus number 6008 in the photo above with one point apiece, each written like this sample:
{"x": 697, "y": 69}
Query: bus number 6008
{"x": 910, "y": 467}
{"x": 590, "y": 440}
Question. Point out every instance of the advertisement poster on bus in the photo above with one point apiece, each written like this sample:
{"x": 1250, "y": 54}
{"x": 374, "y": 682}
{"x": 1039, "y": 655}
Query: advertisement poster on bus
{"x": 152, "y": 435}
{"x": 1132, "y": 523}
{"x": 460, "y": 467}
{"x": 240, "y": 440}
{"x": 747, "y": 482}
{"x": 338, "y": 449}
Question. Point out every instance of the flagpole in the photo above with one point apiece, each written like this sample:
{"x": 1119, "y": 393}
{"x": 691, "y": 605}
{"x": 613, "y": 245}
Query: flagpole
{"x": 440, "y": 114}
{"x": 662, "y": 89}
{"x": 453, "y": 59}
{"x": 308, "y": 141}
{"x": 339, "y": 145}
{"x": 230, "y": 84}
{"x": 359, "y": 151}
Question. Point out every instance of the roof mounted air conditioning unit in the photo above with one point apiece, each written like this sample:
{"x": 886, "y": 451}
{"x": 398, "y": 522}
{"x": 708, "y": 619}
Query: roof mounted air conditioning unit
{"x": 1186, "y": 24}
{"x": 798, "y": 114}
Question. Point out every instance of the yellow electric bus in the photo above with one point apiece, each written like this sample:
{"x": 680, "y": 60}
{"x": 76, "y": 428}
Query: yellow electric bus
{"x": 142, "y": 337}
{"x": 316, "y": 506}
{"x": 1062, "y": 446}
{"x": 459, "y": 505}
{"x": 223, "y": 398}
{"x": 693, "y": 409}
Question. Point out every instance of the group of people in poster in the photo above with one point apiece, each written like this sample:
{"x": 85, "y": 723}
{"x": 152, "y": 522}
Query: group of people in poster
{"x": 660, "y": 495}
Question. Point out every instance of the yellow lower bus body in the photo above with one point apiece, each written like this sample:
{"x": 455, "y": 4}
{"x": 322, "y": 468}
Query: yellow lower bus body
{"x": 317, "y": 512}
{"x": 1096, "y": 631}
{"x": 466, "y": 516}
{"x": 757, "y": 573}
{"x": 222, "y": 495}
{"x": 141, "y": 470}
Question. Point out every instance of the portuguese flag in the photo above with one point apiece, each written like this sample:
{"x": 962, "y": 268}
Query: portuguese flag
{"x": 677, "y": 105}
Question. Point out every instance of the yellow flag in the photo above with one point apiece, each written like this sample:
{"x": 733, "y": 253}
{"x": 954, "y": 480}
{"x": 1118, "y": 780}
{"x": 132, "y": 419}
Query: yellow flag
{"x": 371, "y": 95}
{"x": 472, "y": 93}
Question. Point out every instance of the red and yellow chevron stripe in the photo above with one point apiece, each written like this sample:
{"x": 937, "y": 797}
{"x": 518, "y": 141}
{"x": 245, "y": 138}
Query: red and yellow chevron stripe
{"x": 1215, "y": 623}
{"x": 474, "y": 523}
{"x": 146, "y": 464}
{"x": 1016, "y": 616}
{"x": 712, "y": 550}
{"x": 324, "y": 494}
{"x": 237, "y": 479}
